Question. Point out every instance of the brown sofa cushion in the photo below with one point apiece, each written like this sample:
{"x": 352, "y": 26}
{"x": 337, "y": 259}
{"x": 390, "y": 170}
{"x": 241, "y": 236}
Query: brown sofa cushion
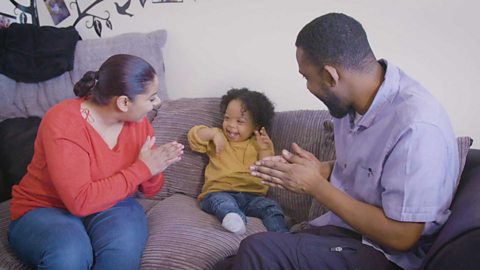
{"x": 172, "y": 122}
{"x": 182, "y": 236}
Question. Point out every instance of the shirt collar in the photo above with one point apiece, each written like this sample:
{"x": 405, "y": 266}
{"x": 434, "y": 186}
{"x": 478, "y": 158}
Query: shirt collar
{"x": 385, "y": 94}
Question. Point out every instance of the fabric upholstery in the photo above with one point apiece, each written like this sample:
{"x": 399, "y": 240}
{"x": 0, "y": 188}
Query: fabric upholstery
{"x": 312, "y": 131}
{"x": 7, "y": 259}
{"x": 182, "y": 236}
{"x": 460, "y": 235}
{"x": 464, "y": 144}
{"x": 17, "y": 136}
{"x": 174, "y": 119}
{"x": 18, "y": 99}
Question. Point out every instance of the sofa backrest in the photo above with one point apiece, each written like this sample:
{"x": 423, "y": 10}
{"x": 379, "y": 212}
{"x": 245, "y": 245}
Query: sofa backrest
{"x": 310, "y": 129}
{"x": 18, "y": 99}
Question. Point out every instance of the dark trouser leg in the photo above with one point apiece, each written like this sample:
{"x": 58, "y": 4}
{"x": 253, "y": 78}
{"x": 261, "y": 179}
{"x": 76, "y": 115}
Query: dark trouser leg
{"x": 325, "y": 247}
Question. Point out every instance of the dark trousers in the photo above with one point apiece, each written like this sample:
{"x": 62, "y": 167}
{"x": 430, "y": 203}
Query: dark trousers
{"x": 326, "y": 247}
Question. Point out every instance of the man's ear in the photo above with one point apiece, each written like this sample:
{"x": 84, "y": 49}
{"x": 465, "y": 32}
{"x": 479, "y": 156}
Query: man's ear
{"x": 332, "y": 75}
{"x": 122, "y": 103}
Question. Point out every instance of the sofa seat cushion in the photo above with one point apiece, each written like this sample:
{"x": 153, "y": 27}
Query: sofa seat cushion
{"x": 182, "y": 236}
{"x": 7, "y": 257}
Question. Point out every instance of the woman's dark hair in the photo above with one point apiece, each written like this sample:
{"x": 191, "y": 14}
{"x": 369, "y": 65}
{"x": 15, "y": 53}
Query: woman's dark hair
{"x": 335, "y": 38}
{"x": 121, "y": 74}
{"x": 259, "y": 106}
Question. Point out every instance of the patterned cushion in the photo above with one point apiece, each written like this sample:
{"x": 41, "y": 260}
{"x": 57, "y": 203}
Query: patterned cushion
{"x": 313, "y": 131}
{"x": 464, "y": 144}
{"x": 172, "y": 123}
{"x": 182, "y": 236}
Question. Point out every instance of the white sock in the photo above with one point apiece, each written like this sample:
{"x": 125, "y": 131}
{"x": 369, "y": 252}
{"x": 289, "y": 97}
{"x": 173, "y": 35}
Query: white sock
{"x": 233, "y": 222}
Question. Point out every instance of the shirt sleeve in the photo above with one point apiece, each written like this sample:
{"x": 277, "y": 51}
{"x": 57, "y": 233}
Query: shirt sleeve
{"x": 416, "y": 182}
{"x": 196, "y": 144}
{"x": 153, "y": 185}
{"x": 69, "y": 170}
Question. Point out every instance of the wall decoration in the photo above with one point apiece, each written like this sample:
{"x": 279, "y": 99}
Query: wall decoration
{"x": 167, "y": 1}
{"x": 91, "y": 20}
{"x": 58, "y": 10}
{"x": 122, "y": 10}
{"x": 6, "y": 20}
{"x": 24, "y": 13}
{"x": 99, "y": 21}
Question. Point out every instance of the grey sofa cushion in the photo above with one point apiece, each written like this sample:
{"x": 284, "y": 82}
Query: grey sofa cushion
{"x": 172, "y": 122}
{"x": 182, "y": 236}
{"x": 34, "y": 99}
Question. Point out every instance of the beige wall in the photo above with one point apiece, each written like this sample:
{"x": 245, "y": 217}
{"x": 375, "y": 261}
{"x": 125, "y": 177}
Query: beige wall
{"x": 217, "y": 44}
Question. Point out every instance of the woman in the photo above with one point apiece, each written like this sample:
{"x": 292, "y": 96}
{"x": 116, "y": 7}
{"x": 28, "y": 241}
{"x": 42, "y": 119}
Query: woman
{"x": 75, "y": 208}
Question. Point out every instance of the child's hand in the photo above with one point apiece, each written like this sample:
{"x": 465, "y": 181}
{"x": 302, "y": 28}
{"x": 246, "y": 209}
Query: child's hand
{"x": 218, "y": 141}
{"x": 263, "y": 139}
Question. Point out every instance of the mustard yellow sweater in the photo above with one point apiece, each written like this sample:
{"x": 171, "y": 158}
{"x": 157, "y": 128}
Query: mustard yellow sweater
{"x": 230, "y": 169}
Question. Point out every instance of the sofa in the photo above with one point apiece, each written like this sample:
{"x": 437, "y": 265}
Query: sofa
{"x": 181, "y": 235}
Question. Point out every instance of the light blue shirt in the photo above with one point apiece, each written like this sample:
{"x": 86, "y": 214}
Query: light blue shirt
{"x": 400, "y": 156}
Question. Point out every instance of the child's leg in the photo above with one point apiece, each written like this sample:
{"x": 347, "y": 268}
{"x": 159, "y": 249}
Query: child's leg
{"x": 269, "y": 211}
{"x": 224, "y": 206}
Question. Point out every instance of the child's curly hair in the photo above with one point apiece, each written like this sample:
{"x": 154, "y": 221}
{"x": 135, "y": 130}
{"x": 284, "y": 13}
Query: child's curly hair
{"x": 259, "y": 106}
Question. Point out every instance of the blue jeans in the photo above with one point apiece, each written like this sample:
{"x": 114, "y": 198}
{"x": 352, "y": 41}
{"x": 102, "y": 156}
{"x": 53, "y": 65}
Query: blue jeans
{"x": 245, "y": 204}
{"x": 52, "y": 238}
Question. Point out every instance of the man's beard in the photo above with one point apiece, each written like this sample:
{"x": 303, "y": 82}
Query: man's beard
{"x": 335, "y": 106}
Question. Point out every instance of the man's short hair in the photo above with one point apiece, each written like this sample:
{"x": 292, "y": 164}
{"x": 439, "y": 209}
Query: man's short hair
{"x": 335, "y": 39}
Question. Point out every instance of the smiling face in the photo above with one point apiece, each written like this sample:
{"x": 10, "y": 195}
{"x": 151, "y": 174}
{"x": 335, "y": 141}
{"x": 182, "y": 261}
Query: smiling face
{"x": 238, "y": 124}
{"x": 145, "y": 102}
{"x": 317, "y": 85}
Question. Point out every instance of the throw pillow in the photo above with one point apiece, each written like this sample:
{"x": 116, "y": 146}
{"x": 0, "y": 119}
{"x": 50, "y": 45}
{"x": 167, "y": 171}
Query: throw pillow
{"x": 91, "y": 53}
{"x": 313, "y": 131}
{"x": 172, "y": 122}
{"x": 182, "y": 236}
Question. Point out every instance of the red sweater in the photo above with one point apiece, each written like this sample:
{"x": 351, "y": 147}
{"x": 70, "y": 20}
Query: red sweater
{"x": 73, "y": 167}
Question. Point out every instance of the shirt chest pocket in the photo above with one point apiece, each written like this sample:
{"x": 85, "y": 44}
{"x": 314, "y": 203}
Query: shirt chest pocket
{"x": 366, "y": 183}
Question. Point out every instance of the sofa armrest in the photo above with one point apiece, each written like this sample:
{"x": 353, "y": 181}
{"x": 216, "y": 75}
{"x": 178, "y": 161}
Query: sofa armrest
{"x": 456, "y": 246}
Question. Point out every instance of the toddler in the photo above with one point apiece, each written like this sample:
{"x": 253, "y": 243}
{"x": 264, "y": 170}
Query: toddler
{"x": 230, "y": 192}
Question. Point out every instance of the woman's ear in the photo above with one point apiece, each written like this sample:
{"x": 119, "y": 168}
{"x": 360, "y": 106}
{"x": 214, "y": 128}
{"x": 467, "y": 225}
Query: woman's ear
{"x": 122, "y": 103}
{"x": 332, "y": 75}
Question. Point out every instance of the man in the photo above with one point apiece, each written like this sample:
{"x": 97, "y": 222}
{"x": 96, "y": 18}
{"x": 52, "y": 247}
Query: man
{"x": 396, "y": 164}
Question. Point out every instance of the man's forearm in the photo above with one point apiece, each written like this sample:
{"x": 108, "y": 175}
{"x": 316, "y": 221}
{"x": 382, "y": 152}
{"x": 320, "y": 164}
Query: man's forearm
{"x": 369, "y": 220}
